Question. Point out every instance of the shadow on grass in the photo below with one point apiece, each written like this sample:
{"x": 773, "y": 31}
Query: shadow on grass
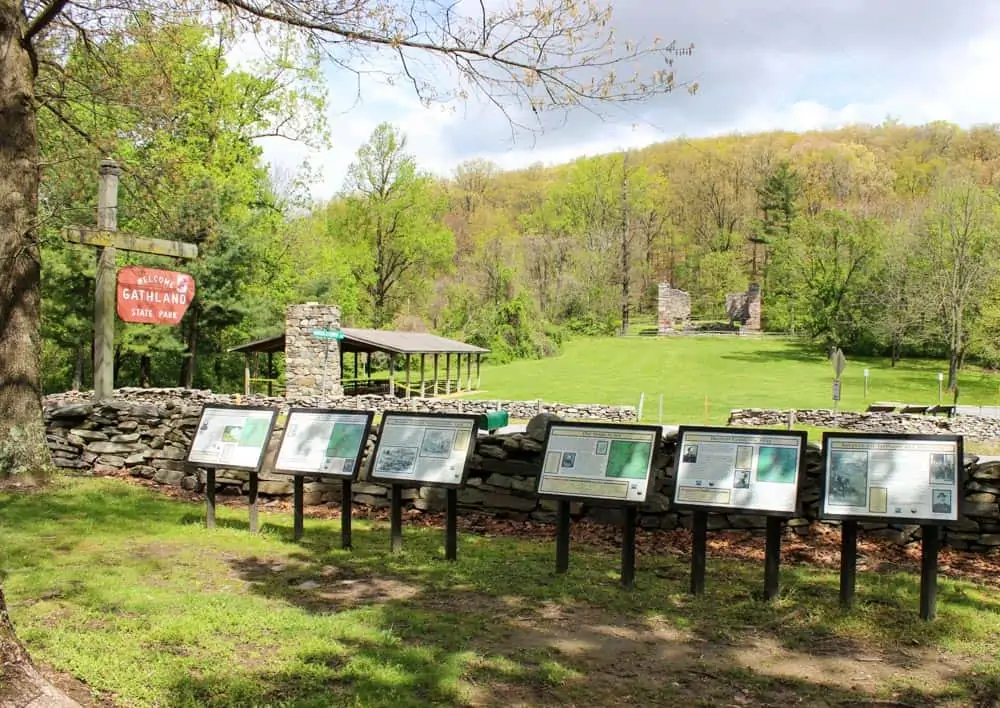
{"x": 499, "y": 627}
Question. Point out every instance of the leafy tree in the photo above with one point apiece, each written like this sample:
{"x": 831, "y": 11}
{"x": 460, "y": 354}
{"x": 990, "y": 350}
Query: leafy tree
{"x": 394, "y": 217}
{"x": 961, "y": 239}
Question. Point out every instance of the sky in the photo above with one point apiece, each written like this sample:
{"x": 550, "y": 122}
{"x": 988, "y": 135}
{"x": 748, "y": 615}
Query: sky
{"x": 760, "y": 65}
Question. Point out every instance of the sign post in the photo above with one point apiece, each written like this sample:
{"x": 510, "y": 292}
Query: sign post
{"x": 598, "y": 462}
{"x": 867, "y": 373}
{"x": 327, "y": 336}
{"x": 231, "y": 437}
{"x": 424, "y": 449}
{"x": 738, "y": 470}
{"x": 894, "y": 478}
{"x": 106, "y": 240}
{"x": 323, "y": 443}
{"x": 839, "y": 362}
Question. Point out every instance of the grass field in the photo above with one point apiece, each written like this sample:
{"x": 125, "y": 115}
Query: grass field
{"x": 127, "y": 591}
{"x": 718, "y": 374}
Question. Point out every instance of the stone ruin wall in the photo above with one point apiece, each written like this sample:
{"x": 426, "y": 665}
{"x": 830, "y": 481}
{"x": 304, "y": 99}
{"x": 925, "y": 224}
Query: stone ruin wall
{"x": 744, "y": 308}
{"x": 148, "y": 438}
{"x": 673, "y": 309}
{"x": 304, "y": 353}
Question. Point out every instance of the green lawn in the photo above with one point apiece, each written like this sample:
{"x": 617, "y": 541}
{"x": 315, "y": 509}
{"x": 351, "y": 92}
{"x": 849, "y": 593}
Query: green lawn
{"x": 126, "y": 590}
{"x": 718, "y": 374}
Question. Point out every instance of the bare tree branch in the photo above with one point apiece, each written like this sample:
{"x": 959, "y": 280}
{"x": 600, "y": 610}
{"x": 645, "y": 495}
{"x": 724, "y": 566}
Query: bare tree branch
{"x": 44, "y": 19}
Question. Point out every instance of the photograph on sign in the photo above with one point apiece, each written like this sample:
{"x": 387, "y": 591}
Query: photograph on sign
{"x": 231, "y": 436}
{"x": 428, "y": 449}
{"x": 736, "y": 469}
{"x": 323, "y": 442}
{"x": 152, "y": 296}
{"x": 911, "y": 477}
{"x": 598, "y": 461}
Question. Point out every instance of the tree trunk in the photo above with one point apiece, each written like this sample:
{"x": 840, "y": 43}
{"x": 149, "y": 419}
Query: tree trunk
{"x": 20, "y": 320}
{"x": 145, "y": 369}
{"x": 78, "y": 368}
{"x": 190, "y": 359}
{"x": 20, "y": 295}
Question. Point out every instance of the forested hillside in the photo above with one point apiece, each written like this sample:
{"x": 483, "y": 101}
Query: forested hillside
{"x": 879, "y": 239}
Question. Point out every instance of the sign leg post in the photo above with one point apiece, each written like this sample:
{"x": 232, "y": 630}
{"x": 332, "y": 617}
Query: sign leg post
{"x": 772, "y": 558}
{"x": 628, "y": 547}
{"x": 252, "y": 498}
{"x": 210, "y": 499}
{"x": 451, "y": 527}
{"x": 562, "y": 536}
{"x": 699, "y": 537}
{"x": 848, "y": 561}
{"x": 346, "y": 510}
{"x": 298, "y": 505}
{"x": 396, "y": 519}
{"x": 930, "y": 543}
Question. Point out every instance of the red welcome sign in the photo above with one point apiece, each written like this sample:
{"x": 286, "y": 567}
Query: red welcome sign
{"x": 151, "y": 296}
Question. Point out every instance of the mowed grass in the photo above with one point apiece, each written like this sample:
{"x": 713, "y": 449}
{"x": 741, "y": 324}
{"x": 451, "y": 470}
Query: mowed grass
{"x": 702, "y": 378}
{"x": 126, "y": 590}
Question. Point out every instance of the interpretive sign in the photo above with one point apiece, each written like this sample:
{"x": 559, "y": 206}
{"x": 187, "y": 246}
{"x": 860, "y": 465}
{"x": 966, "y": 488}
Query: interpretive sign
{"x": 152, "y": 296}
{"x": 598, "y": 461}
{"x": 735, "y": 469}
{"x": 916, "y": 478}
{"x": 233, "y": 437}
{"x": 323, "y": 442}
{"x": 424, "y": 448}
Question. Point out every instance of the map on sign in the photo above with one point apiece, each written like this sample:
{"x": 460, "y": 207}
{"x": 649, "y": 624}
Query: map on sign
{"x": 424, "y": 448}
{"x": 323, "y": 442}
{"x": 232, "y": 436}
{"x": 733, "y": 469}
{"x": 911, "y": 477}
{"x": 598, "y": 461}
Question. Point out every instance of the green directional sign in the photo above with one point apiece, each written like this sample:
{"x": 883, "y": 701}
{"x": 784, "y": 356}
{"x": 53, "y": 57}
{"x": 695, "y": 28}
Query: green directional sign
{"x": 327, "y": 334}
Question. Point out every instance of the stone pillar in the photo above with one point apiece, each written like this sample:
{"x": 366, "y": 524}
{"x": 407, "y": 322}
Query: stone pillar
{"x": 304, "y": 353}
{"x": 753, "y": 307}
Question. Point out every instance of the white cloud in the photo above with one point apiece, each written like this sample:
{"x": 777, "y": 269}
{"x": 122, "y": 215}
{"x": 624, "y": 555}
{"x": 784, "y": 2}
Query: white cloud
{"x": 754, "y": 78}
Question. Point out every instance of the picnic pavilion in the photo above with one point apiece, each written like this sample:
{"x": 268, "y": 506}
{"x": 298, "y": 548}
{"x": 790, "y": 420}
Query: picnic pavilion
{"x": 403, "y": 349}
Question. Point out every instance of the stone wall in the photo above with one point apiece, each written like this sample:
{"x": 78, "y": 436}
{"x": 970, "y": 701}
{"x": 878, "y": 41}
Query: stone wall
{"x": 305, "y": 354}
{"x": 744, "y": 308}
{"x": 673, "y": 308}
{"x": 518, "y": 410}
{"x": 150, "y": 439}
{"x": 973, "y": 427}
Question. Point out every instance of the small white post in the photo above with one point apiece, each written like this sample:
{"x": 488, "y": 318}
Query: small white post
{"x": 642, "y": 399}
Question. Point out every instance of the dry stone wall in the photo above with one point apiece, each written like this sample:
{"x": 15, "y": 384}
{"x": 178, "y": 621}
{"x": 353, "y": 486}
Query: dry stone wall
{"x": 972, "y": 427}
{"x": 149, "y": 438}
{"x": 518, "y": 410}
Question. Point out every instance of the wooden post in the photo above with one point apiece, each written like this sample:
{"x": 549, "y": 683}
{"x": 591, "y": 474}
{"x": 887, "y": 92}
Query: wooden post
{"x": 246, "y": 375}
{"x": 458, "y": 373}
{"x": 423, "y": 390}
{"x": 479, "y": 372}
{"x": 108, "y": 241}
{"x": 447, "y": 374}
{"x": 468, "y": 371}
{"x": 104, "y": 287}
{"x": 407, "y": 375}
{"x": 270, "y": 373}
{"x": 356, "y": 356}
{"x": 341, "y": 350}
{"x": 392, "y": 375}
{"x": 435, "y": 375}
